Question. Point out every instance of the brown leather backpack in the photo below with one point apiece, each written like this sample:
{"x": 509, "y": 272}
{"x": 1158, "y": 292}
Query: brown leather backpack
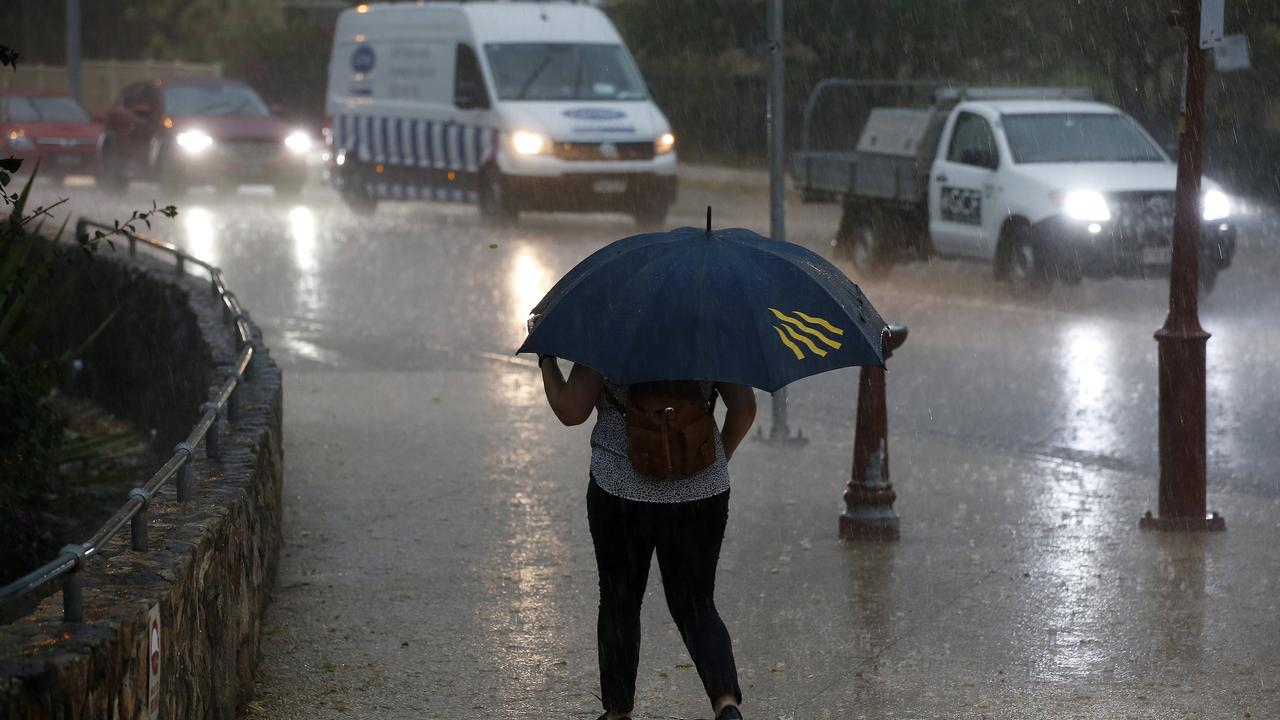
{"x": 670, "y": 427}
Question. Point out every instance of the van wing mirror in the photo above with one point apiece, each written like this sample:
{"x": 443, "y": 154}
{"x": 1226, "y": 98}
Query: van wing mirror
{"x": 469, "y": 95}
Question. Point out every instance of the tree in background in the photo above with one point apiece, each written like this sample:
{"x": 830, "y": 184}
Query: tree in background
{"x": 706, "y": 61}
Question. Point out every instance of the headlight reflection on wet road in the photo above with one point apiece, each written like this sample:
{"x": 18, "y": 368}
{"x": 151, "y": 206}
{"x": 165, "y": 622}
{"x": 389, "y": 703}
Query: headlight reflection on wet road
{"x": 528, "y": 281}
{"x": 197, "y": 222}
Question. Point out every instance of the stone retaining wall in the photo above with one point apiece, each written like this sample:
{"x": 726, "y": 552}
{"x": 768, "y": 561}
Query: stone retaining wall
{"x": 211, "y": 562}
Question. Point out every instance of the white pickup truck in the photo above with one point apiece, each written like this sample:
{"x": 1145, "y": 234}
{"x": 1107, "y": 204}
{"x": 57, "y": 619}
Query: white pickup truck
{"x": 1042, "y": 183}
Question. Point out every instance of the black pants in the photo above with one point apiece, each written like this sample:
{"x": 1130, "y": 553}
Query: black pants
{"x": 687, "y": 537}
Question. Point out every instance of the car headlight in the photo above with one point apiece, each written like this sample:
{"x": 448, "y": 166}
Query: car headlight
{"x": 194, "y": 141}
{"x": 18, "y": 140}
{"x": 1086, "y": 205}
{"x": 1215, "y": 205}
{"x": 298, "y": 142}
{"x": 665, "y": 143}
{"x": 525, "y": 142}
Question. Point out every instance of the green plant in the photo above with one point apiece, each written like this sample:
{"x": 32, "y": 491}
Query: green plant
{"x": 36, "y": 276}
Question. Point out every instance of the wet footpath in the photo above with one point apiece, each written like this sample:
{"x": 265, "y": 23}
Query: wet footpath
{"x": 438, "y": 565}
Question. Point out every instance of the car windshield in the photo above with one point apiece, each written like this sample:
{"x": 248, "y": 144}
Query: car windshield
{"x": 1077, "y": 137}
{"x": 213, "y": 99}
{"x": 45, "y": 109}
{"x": 564, "y": 71}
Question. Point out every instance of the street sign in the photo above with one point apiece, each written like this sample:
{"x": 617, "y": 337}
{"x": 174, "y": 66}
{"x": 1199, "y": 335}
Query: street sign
{"x": 1213, "y": 15}
{"x": 153, "y": 663}
{"x": 1232, "y": 54}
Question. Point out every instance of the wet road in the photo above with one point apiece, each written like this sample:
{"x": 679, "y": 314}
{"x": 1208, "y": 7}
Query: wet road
{"x": 437, "y": 562}
{"x": 1072, "y": 376}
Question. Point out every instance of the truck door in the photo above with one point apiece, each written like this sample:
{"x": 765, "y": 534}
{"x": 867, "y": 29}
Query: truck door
{"x": 963, "y": 197}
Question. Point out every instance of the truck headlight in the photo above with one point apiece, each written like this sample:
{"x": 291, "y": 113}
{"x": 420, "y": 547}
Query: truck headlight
{"x": 1086, "y": 205}
{"x": 1215, "y": 205}
{"x": 298, "y": 142}
{"x": 665, "y": 143}
{"x": 194, "y": 141}
{"x": 526, "y": 142}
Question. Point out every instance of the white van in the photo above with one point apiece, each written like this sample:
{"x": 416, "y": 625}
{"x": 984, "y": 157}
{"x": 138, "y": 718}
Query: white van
{"x": 512, "y": 105}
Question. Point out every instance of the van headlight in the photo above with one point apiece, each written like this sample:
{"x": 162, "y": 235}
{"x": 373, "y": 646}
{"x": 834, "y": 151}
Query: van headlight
{"x": 665, "y": 143}
{"x": 298, "y": 142}
{"x": 194, "y": 141}
{"x": 1215, "y": 205}
{"x": 526, "y": 142}
{"x": 1086, "y": 205}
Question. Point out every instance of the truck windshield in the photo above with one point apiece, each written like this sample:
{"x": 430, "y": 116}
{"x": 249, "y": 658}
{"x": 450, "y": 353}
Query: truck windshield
{"x": 1077, "y": 137}
{"x": 213, "y": 99}
{"x": 563, "y": 71}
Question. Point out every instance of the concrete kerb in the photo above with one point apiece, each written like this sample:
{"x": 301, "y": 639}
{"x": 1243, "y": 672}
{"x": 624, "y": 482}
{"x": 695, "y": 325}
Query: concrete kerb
{"x": 209, "y": 568}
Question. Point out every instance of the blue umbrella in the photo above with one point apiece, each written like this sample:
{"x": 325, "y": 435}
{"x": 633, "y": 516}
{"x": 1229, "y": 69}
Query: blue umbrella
{"x": 691, "y": 304}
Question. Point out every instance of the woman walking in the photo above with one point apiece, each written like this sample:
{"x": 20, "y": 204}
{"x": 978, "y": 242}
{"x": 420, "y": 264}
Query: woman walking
{"x": 680, "y": 515}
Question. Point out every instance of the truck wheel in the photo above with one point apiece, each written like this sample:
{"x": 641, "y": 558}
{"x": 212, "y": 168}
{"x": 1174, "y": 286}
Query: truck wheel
{"x": 858, "y": 242}
{"x": 1024, "y": 269}
{"x": 495, "y": 203}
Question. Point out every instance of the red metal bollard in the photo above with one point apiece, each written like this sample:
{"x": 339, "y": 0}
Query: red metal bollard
{"x": 1181, "y": 501}
{"x": 869, "y": 496}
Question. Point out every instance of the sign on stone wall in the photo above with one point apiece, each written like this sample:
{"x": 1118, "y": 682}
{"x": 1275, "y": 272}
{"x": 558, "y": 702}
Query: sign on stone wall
{"x": 153, "y": 663}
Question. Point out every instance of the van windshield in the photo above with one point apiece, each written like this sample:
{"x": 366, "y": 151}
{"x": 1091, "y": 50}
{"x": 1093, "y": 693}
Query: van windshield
{"x": 563, "y": 71}
{"x": 213, "y": 99}
{"x": 1077, "y": 137}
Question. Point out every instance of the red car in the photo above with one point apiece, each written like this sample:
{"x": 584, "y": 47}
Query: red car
{"x": 49, "y": 128}
{"x": 200, "y": 132}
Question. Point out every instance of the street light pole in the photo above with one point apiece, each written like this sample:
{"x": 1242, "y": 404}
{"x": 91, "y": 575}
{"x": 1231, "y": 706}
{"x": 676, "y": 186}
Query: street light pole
{"x": 1181, "y": 341}
{"x": 73, "y": 49}
{"x": 775, "y": 114}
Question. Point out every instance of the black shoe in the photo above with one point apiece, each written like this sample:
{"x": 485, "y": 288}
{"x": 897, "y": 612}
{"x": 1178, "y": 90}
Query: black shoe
{"x": 626, "y": 717}
{"x": 730, "y": 712}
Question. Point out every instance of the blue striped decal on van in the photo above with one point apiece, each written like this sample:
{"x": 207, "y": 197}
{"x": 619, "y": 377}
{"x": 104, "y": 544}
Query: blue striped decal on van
{"x": 440, "y": 145}
{"x": 434, "y": 145}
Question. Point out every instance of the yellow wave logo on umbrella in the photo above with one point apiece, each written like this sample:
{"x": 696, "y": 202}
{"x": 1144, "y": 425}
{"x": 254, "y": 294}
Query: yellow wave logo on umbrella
{"x": 800, "y": 329}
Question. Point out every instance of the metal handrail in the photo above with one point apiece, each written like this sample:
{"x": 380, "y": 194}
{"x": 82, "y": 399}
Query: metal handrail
{"x": 73, "y": 557}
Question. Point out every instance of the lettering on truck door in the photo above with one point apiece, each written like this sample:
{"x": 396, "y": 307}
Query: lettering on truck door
{"x": 963, "y": 206}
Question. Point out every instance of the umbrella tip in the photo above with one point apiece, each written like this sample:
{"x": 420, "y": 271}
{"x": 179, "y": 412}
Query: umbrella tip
{"x": 708, "y": 219}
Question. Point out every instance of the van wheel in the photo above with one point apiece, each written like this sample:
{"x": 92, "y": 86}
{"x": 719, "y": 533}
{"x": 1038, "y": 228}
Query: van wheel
{"x": 360, "y": 202}
{"x": 495, "y": 202}
{"x": 1024, "y": 269}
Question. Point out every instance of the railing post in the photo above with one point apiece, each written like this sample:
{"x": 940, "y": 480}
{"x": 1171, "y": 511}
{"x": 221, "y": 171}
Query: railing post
{"x": 185, "y": 491}
{"x": 82, "y": 229}
{"x": 133, "y": 244}
{"x": 233, "y": 401}
{"x": 72, "y": 593}
{"x": 211, "y": 437}
{"x": 179, "y": 267}
{"x": 138, "y": 523}
{"x": 869, "y": 495}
